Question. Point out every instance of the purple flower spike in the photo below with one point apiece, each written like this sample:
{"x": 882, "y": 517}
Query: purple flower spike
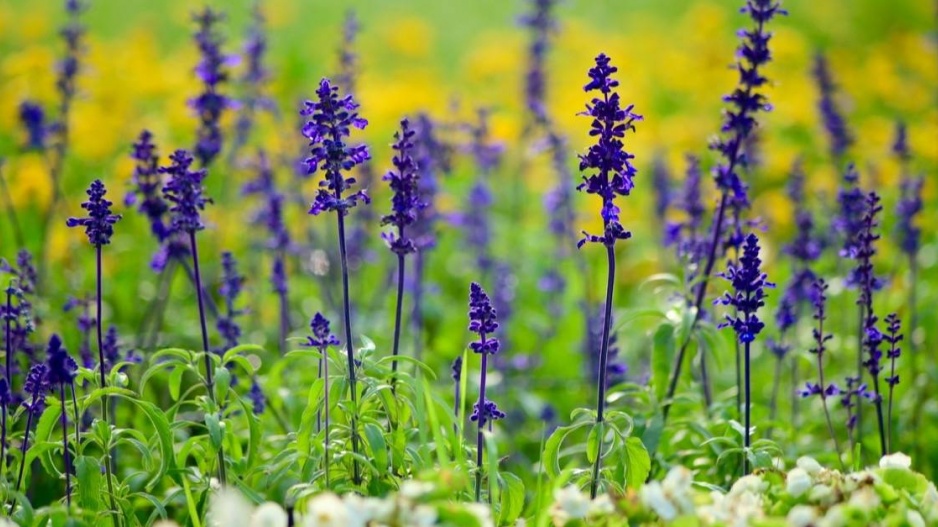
{"x": 834, "y": 122}
{"x": 405, "y": 203}
{"x": 482, "y": 320}
{"x": 613, "y": 171}
{"x": 36, "y": 387}
{"x": 211, "y": 70}
{"x": 490, "y": 412}
{"x": 330, "y": 121}
{"x": 62, "y": 368}
{"x": 542, "y": 24}
{"x": 230, "y": 289}
{"x": 147, "y": 184}
{"x": 749, "y": 283}
{"x": 33, "y": 119}
{"x": 321, "y": 337}
{"x": 184, "y": 190}
{"x": 99, "y": 225}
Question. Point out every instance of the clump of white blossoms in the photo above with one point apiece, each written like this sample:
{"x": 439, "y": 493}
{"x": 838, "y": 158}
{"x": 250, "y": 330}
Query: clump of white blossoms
{"x": 570, "y": 503}
{"x": 672, "y": 497}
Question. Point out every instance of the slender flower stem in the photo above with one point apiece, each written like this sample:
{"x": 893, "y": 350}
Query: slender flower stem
{"x": 105, "y": 400}
{"x": 698, "y": 304}
{"x": 164, "y": 278}
{"x": 862, "y": 315}
{"x": 3, "y": 439}
{"x": 324, "y": 370}
{"x": 773, "y": 403}
{"x": 739, "y": 379}
{"x": 9, "y": 340}
{"x": 823, "y": 388}
{"x": 879, "y": 416}
{"x": 603, "y": 362}
{"x": 284, "y": 309}
{"x": 350, "y": 353}
{"x": 397, "y": 316}
{"x": 748, "y": 440}
{"x": 913, "y": 314}
{"x": 209, "y": 373}
{"x": 65, "y": 453}
{"x": 77, "y": 420}
{"x": 419, "y": 263}
{"x": 479, "y": 437}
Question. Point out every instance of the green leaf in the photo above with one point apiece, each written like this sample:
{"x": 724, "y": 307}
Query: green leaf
{"x": 222, "y": 385}
{"x": 90, "y": 482}
{"x": 638, "y": 462}
{"x": 378, "y": 446}
{"x": 512, "y": 498}
{"x": 305, "y": 432}
{"x": 175, "y": 382}
{"x": 662, "y": 359}
{"x": 254, "y": 432}
{"x": 215, "y": 433}
{"x": 238, "y": 350}
{"x": 551, "y": 458}
{"x": 594, "y": 441}
{"x": 164, "y": 435}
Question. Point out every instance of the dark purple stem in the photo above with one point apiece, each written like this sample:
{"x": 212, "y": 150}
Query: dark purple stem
{"x": 23, "y": 448}
{"x": 284, "y": 310}
{"x": 324, "y": 370}
{"x": 77, "y": 420}
{"x": 481, "y": 412}
{"x": 350, "y": 353}
{"x": 9, "y": 343}
{"x": 748, "y": 439}
{"x": 65, "y": 453}
{"x": 209, "y": 373}
{"x": 398, "y": 314}
{"x": 879, "y": 416}
{"x": 860, "y": 332}
{"x": 603, "y": 361}
{"x": 105, "y": 400}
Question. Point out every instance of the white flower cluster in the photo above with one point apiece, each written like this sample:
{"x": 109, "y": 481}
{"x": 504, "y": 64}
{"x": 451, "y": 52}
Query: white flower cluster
{"x": 739, "y": 507}
{"x": 672, "y": 497}
{"x": 228, "y": 508}
{"x": 570, "y": 503}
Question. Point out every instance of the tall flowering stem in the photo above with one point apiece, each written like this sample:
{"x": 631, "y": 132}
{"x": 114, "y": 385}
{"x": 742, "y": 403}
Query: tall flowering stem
{"x": 35, "y": 388}
{"x": 270, "y": 214}
{"x": 483, "y": 321}
{"x": 872, "y": 336}
{"x": 67, "y": 70}
{"x": 405, "y": 204}
{"x": 739, "y": 122}
{"x": 908, "y": 208}
{"x": 821, "y": 389}
{"x": 542, "y": 24}
{"x": 893, "y": 337}
{"x": 330, "y": 119}
{"x": 609, "y": 173}
{"x": 747, "y": 296}
{"x": 254, "y": 80}
{"x": 99, "y": 227}
{"x": 432, "y": 156}
{"x": 184, "y": 191}
{"x": 62, "y": 371}
{"x": 321, "y": 339}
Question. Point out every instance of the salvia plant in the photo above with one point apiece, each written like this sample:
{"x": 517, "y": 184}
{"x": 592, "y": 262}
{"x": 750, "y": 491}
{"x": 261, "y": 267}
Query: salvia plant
{"x": 214, "y": 366}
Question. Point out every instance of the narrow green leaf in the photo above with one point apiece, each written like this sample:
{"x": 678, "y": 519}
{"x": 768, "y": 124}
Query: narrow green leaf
{"x": 378, "y": 446}
{"x": 304, "y": 433}
{"x": 662, "y": 359}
